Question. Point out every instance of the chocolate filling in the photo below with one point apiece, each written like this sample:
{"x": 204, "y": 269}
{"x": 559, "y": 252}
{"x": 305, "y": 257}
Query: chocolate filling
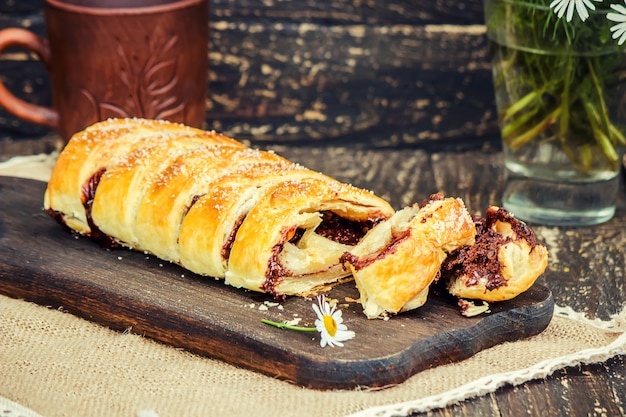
{"x": 433, "y": 197}
{"x": 194, "y": 200}
{"x": 228, "y": 245}
{"x": 361, "y": 262}
{"x": 342, "y": 230}
{"x": 58, "y": 217}
{"x": 478, "y": 261}
{"x": 276, "y": 271}
{"x": 481, "y": 259}
{"x": 333, "y": 227}
{"x": 88, "y": 194}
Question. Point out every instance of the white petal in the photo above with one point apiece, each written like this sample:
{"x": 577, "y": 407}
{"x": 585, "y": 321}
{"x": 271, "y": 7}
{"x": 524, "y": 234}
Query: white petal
{"x": 582, "y": 10}
{"x": 619, "y": 31}
{"x": 619, "y": 8}
{"x": 319, "y": 325}
{"x": 337, "y": 316}
{"x": 616, "y": 17}
{"x": 559, "y": 7}
{"x": 589, "y": 5}
{"x": 341, "y": 327}
{"x": 323, "y": 340}
{"x": 318, "y": 312}
{"x": 344, "y": 335}
{"x": 570, "y": 10}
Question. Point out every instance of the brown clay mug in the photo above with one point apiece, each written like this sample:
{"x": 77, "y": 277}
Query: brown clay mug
{"x": 117, "y": 58}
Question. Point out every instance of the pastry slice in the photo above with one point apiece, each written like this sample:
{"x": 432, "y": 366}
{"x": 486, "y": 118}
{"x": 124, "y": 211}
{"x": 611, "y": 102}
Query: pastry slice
{"x": 505, "y": 261}
{"x": 214, "y": 218}
{"x": 292, "y": 239}
{"x": 397, "y": 261}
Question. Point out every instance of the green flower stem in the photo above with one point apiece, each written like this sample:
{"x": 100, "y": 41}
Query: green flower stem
{"x": 558, "y": 78}
{"x": 586, "y": 156}
{"x": 519, "y": 141}
{"x": 521, "y": 104}
{"x": 604, "y": 119}
{"x": 517, "y": 125}
{"x": 601, "y": 138}
{"x": 283, "y": 325}
{"x": 565, "y": 101}
{"x": 617, "y": 134}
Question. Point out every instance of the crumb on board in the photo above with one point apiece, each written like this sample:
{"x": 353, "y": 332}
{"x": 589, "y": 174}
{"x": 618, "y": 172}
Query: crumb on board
{"x": 332, "y": 302}
{"x": 470, "y": 308}
{"x": 270, "y": 303}
{"x": 294, "y": 322}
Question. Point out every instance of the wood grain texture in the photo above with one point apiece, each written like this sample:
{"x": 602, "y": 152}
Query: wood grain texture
{"x": 387, "y": 172}
{"x": 587, "y": 266}
{"x": 353, "y": 11}
{"x": 587, "y": 390}
{"x": 123, "y": 289}
{"x": 359, "y": 73}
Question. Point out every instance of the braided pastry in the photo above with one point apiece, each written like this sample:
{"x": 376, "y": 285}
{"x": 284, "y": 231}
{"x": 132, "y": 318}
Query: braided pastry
{"x": 260, "y": 222}
{"x": 210, "y": 204}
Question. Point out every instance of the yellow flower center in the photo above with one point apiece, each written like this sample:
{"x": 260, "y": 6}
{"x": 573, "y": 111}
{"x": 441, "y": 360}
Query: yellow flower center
{"x": 331, "y": 325}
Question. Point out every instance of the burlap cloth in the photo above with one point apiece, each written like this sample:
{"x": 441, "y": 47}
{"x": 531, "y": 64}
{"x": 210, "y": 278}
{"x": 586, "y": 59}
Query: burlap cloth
{"x": 55, "y": 364}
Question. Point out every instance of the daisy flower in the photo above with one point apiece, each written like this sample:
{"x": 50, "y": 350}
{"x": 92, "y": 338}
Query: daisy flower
{"x": 619, "y": 30}
{"x": 330, "y": 324}
{"x": 581, "y": 6}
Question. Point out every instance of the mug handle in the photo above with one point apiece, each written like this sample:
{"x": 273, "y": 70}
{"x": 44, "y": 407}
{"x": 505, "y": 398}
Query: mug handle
{"x": 22, "y": 38}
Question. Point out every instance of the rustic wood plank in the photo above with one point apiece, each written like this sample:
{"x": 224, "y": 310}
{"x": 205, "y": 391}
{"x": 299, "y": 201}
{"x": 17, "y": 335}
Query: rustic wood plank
{"x": 19, "y": 7}
{"x": 572, "y": 289}
{"x": 485, "y": 406}
{"x": 407, "y": 81}
{"x": 615, "y": 371}
{"x": 45, "y": 144}
{"x": 360, "y": 84}
{"x": 595, "y": 386}
{"x": 126, "y": 289}
{"x": 561, "y": 392}
{"x": 337, "y": 11}
{"x": 587, "y": 265}
{"x": 554, "y": 394}
{"x": 535, "y": 396}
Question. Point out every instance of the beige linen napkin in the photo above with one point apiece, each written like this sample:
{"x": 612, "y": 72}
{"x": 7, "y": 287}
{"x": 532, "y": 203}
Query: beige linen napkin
{"x": 56, "y": 364}
{"x": 35, "y": 167}
{"x": 60, "y": 365}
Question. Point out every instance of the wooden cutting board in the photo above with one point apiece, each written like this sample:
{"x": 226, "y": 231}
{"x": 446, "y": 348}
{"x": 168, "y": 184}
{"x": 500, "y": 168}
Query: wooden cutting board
{"x": 41, "y": 262}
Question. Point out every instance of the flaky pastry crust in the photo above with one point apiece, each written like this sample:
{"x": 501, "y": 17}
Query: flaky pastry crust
{"x": 210, "y": 204}
{"x": 398, "y": 260}
{"x": 260, "y": 222}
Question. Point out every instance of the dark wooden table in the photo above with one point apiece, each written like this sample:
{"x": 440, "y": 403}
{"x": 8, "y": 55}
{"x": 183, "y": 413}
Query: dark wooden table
{"x": 589, "y": 274}
{"x": 391, "y": 96}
